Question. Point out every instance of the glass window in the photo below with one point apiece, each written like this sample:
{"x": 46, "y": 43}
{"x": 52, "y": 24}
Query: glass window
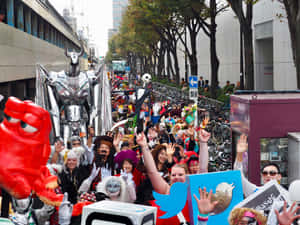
{"x": 275, "y": 150}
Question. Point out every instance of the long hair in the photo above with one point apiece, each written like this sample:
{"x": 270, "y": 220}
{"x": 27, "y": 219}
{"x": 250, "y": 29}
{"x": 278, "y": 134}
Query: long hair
{"x": 109, "y": 163}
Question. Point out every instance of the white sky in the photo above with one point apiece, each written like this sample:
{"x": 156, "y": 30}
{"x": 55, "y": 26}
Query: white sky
{"x": 97, "y": 16}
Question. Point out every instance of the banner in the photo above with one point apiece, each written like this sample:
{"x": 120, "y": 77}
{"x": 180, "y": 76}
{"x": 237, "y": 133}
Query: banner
{"x": 263, "y": 199}
{"x": 227, "y": 190}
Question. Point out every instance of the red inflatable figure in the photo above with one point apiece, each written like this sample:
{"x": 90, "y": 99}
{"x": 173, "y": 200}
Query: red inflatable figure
{"x": 24, "y": 152}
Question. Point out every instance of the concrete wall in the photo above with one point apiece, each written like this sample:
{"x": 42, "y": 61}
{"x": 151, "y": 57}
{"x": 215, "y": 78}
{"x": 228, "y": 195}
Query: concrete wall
{"x": 45, "y": 12}
{"x": 228, "y": 40}
{"x": 284, "y": 69}
{"x": 274, "y": 68}
{"x": 20, "y": 52}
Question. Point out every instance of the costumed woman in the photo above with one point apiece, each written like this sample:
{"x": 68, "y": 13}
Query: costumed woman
{"x": 178, "y": 174}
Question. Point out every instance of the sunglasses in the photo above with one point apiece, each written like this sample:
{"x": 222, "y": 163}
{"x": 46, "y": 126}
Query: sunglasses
{"x": 271, "y": 173}
{"x": 250, "y": 221}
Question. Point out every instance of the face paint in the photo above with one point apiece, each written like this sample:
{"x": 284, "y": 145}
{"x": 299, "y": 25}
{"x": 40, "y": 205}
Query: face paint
{"x": 113, "y": 187}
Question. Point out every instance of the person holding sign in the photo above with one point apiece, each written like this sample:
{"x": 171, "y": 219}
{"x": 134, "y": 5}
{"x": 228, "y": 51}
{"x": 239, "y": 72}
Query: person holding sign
{"x": 269, "y": 172}
{"x": 178, "y": 175}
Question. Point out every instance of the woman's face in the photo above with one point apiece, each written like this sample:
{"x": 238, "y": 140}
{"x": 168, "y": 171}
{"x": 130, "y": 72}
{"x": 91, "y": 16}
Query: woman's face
{"x": 177, "y": 175}
{"x": 103, "y": 150}
{"x": 71, "y": 164}
{"x": 127, "y": 167}
{"x": 194, "y": 167}
{"x": 162, "y": 156}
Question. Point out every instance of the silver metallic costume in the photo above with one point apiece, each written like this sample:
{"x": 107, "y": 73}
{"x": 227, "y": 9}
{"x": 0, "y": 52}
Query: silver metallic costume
{"x": 73, "y": 98}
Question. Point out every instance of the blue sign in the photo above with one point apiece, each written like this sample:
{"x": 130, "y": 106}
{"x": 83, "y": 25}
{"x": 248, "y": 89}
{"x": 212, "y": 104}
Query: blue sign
{"x": 193, "y": 81}
{"x": 127, "y": 68}
{"x": 225, "y": 185}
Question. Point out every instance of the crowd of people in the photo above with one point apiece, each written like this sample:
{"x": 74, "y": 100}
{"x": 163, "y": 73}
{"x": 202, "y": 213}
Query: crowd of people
{"x": 128, "y": 165}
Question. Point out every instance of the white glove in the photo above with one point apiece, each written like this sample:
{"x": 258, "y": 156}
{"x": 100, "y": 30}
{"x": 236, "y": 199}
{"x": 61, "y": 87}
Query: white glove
{"x": 128, "y": 177}
{"x": 43, "y": 214}
{"x": 85, "y": 186}
{"x": 124, "y": 175}
{"x": 65, "y": 211}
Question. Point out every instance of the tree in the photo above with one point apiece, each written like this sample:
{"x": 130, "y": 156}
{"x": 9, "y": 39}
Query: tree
{"x": 292, "y": 8}
{"x": 245, "y": 20}
{"x": 191, "y": 13}
{"x": 210, "y": 30}
{"x": 160, "y": 15}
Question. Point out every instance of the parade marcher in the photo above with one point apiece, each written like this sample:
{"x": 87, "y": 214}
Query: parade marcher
{"x": 269, "y": 171}
{"x": 159, "y": 154}
{"x": 243, "y": 216}
{"x": 59, "y": 152}
{"x": 178, "y": 172}
{"x": 193, "y": 164}
{"x": 72, "y": 176}
{"x": 104, "y": 159}
{"x": 126, "y": 162}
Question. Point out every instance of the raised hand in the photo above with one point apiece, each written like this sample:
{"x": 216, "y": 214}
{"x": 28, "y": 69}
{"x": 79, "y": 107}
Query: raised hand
{"x": 59, "y": 146}
{"x": 204, "y": 136}
{"x": 286, "y": 217}
{"x": 94, "y": 173}
{"x": 141, "y": 140}
{"x": 117, "y": 139}
{"x": 170, "y": 149}
{"x": 91, "y": 131}
{"x": 205, "y": 206}
{"x": 205, "y": 121}
{"x": 242, "y": 144}
{"x": 65, "y": 211}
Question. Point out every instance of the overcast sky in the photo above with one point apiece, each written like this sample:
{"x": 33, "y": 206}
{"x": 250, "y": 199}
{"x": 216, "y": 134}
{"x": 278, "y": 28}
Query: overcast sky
{"x": 95, "y": 14}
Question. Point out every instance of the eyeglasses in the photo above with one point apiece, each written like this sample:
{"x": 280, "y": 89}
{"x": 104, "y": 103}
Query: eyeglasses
{"x": 271, "y": 173}
{"x": 76, "y": 144}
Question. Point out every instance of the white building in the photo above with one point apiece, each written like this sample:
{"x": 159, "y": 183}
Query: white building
{"x": 273, "y": 64}
{"x": 119, "y": 7}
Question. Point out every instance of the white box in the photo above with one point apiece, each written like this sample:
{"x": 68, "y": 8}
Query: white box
{"x": 118, "y": 213}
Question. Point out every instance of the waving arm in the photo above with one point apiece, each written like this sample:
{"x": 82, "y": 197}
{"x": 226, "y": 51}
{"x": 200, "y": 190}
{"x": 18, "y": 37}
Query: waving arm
{"x": 158, "y": 183}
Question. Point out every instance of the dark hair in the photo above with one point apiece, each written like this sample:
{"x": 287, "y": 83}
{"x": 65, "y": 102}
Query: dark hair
{"x": 163, "y": 138}
{"x": 192, "y": 158}
{"x": 130, "y": 161}
{"x": 124, "y": 144}
{"x": 179, "y": 141}
{"x": 155, "y": 152}
{"x": 271, "y": 164}
{"x": 110, "y": 158}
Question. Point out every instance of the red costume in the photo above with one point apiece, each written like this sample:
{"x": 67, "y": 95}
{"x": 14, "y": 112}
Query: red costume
{"x": 24, "y": 151}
